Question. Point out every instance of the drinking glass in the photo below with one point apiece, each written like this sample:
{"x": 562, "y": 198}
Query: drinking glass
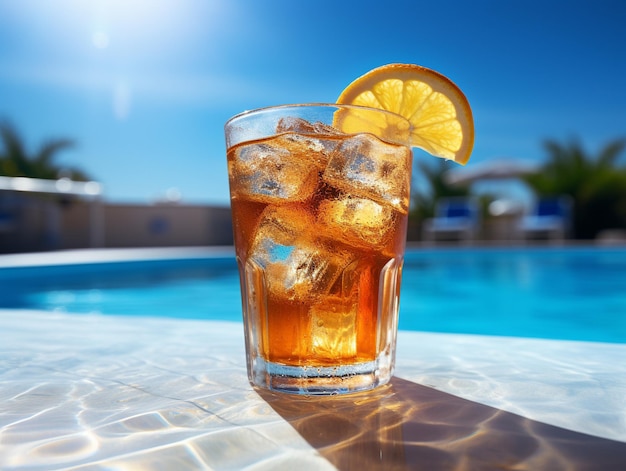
{"x": 320, "y": 198}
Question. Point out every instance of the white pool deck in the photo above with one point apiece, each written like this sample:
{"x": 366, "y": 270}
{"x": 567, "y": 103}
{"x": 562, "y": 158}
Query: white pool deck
{"x": 111, "y": 392}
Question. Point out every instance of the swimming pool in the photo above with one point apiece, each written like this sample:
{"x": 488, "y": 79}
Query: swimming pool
{"x": 574, "y": 293}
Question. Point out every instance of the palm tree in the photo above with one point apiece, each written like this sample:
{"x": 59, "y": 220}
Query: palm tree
{"x": 595, "y": 183}
{"x": 425, "y": 199}
{"x": 15, "y": 161}
{"x": 433, "y": 170}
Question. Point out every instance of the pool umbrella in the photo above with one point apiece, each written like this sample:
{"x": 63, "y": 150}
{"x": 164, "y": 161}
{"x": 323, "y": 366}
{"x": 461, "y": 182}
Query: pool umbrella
{"x": 496, "y": 169}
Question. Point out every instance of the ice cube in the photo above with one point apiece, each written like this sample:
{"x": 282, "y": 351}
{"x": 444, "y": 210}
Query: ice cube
{"x": 357, "y": 221}
{"x": 365, "y": 166}
{"x": 271, "y": 173}
{"x": 302, "y": 126}
{"x": 318, "y": 136}
{"x": 297, "y": 266}
{"x": 308, "y": 149}
{"x": 334, "y": 327}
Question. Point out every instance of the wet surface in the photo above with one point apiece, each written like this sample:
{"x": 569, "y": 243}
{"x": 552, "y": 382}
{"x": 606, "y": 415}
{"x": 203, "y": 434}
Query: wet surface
{"x": 115, "y": 392}
{"x": 406, "y": 426}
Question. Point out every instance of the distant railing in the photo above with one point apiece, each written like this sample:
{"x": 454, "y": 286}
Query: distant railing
{"x": 90, "y": 191}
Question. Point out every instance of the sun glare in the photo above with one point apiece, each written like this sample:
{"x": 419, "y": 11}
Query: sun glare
{"x": 132, "y": 25}
{"x": 130, "y": 50}
{"x": 100, "y": 39}
{"x": 129, "y": 33}
{"x": 122, "y": 100}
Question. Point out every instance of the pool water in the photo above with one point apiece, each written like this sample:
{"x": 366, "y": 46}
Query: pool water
{"x": 556, "y": 293}
{"x": 199, "y": 288}
{"x": 574, "y": 294}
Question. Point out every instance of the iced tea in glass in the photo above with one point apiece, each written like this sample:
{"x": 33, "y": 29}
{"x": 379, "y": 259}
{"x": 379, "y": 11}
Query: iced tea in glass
{"x": 320, "y": 199}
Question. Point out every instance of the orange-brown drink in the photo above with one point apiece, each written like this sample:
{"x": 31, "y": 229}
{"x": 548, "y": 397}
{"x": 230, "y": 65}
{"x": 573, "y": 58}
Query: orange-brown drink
{"x": 320, "y": 199}
{"x": 320, "y": 218}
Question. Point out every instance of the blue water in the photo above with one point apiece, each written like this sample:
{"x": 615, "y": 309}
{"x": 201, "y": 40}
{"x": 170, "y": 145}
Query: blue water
{"x": 575, "y": 294}
{"x": 569, "y": 293}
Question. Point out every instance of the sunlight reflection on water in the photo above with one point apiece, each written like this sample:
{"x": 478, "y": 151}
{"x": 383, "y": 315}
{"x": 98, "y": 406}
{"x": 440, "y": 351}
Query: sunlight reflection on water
{"x": 124, "y": 392}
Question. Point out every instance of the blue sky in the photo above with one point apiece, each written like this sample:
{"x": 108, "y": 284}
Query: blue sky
{"x": 145, "y": 86}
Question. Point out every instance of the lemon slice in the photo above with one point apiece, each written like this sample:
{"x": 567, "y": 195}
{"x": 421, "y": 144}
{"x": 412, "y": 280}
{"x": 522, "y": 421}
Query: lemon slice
{"x": 439, "y": 113}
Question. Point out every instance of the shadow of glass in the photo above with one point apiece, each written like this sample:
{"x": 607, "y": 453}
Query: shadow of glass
{"x": 405, "y": 425}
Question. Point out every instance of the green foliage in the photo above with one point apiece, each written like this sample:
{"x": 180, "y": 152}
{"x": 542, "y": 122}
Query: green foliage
{"x": 15, "y": 161}
{"x": 596, "y": 184}
{"x": 425, "y": 199}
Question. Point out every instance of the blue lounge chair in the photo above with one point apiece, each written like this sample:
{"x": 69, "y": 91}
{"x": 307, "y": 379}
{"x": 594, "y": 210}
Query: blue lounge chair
{"x": 455, "y": 218}
{"x": 551, "y": 217}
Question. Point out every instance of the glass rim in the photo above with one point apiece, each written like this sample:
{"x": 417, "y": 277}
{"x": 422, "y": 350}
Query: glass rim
{"x": 256, "y": 124}
{"x": 262, "y": 109}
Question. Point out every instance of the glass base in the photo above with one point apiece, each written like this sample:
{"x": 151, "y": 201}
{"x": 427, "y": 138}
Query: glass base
{"x": 311, "y": 380}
